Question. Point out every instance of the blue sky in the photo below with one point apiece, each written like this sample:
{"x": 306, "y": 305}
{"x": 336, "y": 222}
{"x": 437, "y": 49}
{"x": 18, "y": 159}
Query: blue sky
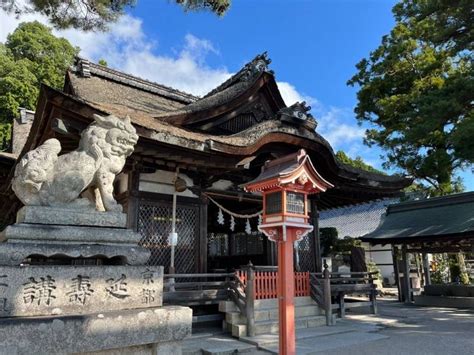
{"x": 314, "y": 46}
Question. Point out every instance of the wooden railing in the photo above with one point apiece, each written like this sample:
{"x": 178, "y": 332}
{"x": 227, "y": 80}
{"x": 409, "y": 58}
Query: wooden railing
{"x": 265, "y": 283}
{"x": 327, "y": 286}
{"x": 211, "y": 289}
{"x": 193, "y": 289}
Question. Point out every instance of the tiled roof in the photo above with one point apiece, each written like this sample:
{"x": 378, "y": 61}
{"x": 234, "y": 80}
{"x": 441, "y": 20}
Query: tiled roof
{"x": 439, "y": 217}
{"x": 356, "y": 220}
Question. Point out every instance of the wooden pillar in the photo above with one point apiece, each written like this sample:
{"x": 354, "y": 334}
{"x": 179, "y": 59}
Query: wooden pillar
{"x": 406, "y": 275}
{"x": 132, "y": 203}
{"x": 315, "y": 239}
{"x": 327, "y": 295}
{"x": 373, "y": 294}
{"x": 342, "y": 307}
{"x": 286, "y": 287}
{"x": 426, "y": 269}
{"x": 250, "y": 301}
{"x": 396, "y": 271}
{"x": 202, "y": 258}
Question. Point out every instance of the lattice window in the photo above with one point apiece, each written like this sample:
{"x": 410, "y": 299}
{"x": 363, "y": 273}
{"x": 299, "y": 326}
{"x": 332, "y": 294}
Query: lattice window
{"x": 246, "y": 244}
{"x": 239, "y": 123}
{"x": 305, "y": 257}
{"x": 154, "y": 224}
{"x": 218, "y": 244}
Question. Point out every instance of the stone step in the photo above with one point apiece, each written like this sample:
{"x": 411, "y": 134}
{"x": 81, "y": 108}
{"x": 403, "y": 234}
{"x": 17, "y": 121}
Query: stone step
{"x": 229, "y": 306}
{"x": 271, "y": 326}
{"x": 236, "y": 317}
{"x": 300, "y": 311}
{"x": 273, "y": 303}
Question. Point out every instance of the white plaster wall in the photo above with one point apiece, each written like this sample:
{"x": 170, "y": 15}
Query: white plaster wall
{"x": 381, "y": 255}
{"x": 161, "y": 182}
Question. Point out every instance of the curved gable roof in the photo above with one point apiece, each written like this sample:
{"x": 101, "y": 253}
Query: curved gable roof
{"x": 243, "y": 87}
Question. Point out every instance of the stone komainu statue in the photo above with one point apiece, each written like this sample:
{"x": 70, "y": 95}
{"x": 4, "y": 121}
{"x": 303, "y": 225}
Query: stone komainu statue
{"x": 43, "y": 178}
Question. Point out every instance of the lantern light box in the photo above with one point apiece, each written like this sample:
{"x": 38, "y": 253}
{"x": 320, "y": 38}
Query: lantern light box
{"x": 285, "y": 184}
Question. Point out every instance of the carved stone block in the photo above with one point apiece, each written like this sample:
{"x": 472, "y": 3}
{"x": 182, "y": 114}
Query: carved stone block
{"x": 67, "y": 290}
{"x": 67, "y": 234}
{"x": 12, "y": 253}
{"x": 120, "y": 332}
{"x": 69, "y": 217}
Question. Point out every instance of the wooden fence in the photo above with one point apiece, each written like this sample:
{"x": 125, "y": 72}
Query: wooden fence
{"x": 265, "y": 283}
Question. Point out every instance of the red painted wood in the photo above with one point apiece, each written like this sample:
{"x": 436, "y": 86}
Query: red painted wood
{"x": 286, "y": 286}
{"x": 266, "y": 283}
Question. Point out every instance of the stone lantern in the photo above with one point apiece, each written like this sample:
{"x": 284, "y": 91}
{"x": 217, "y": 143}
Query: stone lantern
{"x": 285, "y": 184}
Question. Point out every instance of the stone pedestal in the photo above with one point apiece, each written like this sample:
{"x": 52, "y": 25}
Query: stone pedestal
{"x": 146, "y": 331}
{"x": 71, "y": 233}
{"x": 113, "y": 308}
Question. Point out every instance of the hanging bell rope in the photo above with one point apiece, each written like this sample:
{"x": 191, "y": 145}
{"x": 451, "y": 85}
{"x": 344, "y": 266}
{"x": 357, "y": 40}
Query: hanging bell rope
{"x": 233, "y": 214}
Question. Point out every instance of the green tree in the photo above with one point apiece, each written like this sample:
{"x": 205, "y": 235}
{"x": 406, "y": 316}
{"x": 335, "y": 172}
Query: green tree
{"x": 103, "y": 62}
{"x": 417, "y": 89}
{"x": 31, "y": 55}
{"x": 90, "y": 15}
{"x": 356, "y": 163}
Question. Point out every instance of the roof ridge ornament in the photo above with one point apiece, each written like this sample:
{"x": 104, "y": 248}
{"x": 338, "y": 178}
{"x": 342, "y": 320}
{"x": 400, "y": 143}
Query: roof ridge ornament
{"x": 256, "y": 66}
{"x": 83, "y": 67}
{"x": 249, "y": 71}
{"x": 298, "y": 113}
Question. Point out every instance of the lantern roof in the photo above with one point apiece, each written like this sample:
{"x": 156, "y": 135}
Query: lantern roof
{"x": 294, "y": 170}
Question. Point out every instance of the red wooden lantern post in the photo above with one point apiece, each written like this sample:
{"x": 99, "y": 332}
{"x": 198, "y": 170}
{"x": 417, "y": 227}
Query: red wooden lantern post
{"x": 285, "y": 184}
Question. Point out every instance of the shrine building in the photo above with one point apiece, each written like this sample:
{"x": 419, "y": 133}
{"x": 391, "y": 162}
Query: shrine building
{"x": 206, "y": 148}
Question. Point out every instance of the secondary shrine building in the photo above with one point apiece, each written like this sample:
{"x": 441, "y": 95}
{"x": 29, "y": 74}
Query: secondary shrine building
{"x": 213, "y": 144}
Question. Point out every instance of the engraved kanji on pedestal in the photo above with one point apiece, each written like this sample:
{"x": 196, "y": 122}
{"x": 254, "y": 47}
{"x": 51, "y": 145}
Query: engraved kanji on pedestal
{"x": 117, "y": 287}
{"x": 148, "y": 293}
{"x": 3, "y": 299}
{"x": 39, "y": 291}
{"x": 80, "y": 289}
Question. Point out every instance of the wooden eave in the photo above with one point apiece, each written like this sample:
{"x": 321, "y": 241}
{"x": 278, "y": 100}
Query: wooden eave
{"x": 224, "y": 156}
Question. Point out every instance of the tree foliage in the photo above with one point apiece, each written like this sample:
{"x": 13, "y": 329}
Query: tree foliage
{"x": 31, "y": 55}
{"x": 417, "y": 90}
{"x": 102, "y": 62}
{"x": 219, "y": 7}
{"x": 93, "y": 15}
{"x": 356, "y": 163}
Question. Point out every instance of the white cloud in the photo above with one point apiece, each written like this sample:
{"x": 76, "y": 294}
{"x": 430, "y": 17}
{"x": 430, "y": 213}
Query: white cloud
{"x": 126, "y": 47}
{"x": 338, "y": 126}
{"x": 186, "y": 71}
{"x": 291, "y": 95}
{"x": 9, "y": 22}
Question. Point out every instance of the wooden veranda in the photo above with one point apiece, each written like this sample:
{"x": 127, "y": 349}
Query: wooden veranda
{"x": 326, "y": 289}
